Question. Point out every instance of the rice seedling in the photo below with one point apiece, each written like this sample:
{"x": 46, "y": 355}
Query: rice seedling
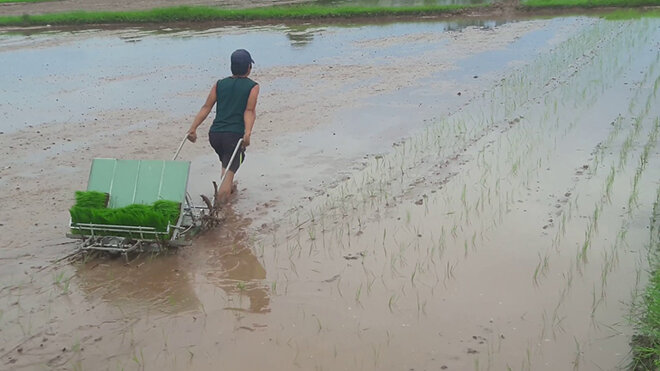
{"x": 536, "y": 274}
{"x": 578, "y": 355}
{"x": 139, "y": 359}
{"x": 609, "y": 183}
{"x": 595, "y": 217}
{"x": 632, "y": 200}
{"x": 311, "y": 232}
{"x": 57, "y": 279}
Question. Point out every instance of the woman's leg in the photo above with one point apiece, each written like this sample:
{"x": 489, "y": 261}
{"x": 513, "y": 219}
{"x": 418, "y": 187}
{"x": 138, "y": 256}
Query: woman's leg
{"x": 225, "y": 188}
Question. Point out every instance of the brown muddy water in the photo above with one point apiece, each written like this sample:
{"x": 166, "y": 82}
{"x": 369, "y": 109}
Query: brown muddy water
{"x": 383, "y": 222}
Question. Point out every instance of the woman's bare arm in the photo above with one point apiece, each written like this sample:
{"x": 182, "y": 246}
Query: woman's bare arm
{"x": 202, "y": 114}
{"x": 250, "y": 114}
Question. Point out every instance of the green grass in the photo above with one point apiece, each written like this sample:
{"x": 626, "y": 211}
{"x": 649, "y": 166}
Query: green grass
{"x": 646, "y": 341}
{"x": 92, "y": 199}
{"x": 91, "y": 208}
{"x": 587, "y": 3}
{"x": 631, "y": 14}
{"x": 278, "y": 13}
{"x": 188, "y": 13}
{"x": 25, "y": 1}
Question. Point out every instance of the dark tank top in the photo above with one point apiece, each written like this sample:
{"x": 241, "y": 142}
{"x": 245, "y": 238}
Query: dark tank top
{"x": 232, "y": 94}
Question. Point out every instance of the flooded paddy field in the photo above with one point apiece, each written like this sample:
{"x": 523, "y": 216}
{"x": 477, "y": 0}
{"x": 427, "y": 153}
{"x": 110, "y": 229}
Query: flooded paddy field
{"x": 417, "y": 196}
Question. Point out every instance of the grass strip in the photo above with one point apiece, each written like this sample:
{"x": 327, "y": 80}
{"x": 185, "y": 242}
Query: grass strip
{"x": 24, "y": 1}
{"x": 646, "y": 341}
{"x": 194, "y": 13}
{"x": 588, "y": 3}
{"x": 623, "y": 15}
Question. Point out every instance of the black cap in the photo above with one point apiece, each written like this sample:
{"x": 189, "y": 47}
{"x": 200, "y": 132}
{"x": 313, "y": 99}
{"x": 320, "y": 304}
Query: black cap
{"x": 241, "y": 58}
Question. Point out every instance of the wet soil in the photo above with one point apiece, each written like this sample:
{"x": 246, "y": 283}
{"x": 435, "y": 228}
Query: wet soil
{"x": 383, "y": 222}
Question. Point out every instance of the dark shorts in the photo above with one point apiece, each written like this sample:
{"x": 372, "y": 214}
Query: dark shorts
{"x": 224, "y": 144}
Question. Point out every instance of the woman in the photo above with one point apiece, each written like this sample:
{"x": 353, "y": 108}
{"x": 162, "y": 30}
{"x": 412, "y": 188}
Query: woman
{"x": 236, "y": 98}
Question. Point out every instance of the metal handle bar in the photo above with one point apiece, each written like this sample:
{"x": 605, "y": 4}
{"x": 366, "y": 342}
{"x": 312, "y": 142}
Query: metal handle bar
{"x": 238, "y": 145}
{"x": 180, "y": 146}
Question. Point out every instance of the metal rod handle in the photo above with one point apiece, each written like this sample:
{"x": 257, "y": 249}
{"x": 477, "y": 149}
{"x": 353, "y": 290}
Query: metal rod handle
{"x": 180, "y": 146}
{"x": 222, "y": 180}
{"x": 231, "y": 160}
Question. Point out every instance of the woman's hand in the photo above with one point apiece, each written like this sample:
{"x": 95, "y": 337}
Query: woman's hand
{"x": 192, "y": 135}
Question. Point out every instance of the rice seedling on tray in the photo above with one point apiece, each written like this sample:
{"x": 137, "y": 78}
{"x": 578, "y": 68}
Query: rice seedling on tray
{"x": 90, "y": 208}
{"x": 92, "y": 199}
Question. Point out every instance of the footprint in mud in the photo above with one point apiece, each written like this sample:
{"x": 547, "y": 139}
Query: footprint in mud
{"x": 550, "y": 224}
{"x": 581, "y": 170}
{"x": 355, "y": 256}
{"x": 479, "y": 339}
{"x": 562, "y": 202}
{"x": 332, "y": 279}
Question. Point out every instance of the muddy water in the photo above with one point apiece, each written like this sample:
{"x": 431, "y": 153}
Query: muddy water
{"x": 507, "y": 237}
{"x": 145, "y": 67}
{"x": 507, "y": 230}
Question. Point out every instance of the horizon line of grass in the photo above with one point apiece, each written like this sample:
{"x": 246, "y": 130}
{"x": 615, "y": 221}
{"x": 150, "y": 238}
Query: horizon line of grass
{"x": 587, "y": 3}
{"x": 203, "y": 13}
{"x": 24, "y": 1}
{"x": 621, "y": 15}
{"x": 290, "y": 12}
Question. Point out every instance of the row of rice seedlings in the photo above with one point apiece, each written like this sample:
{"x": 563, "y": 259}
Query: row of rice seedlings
{"x": 562, "y": 227}
{"x": 626, "y": 147}
{"x": 374, "y": 189}
{"x": 460, "y": 131}
{"x": 516, "y": 164}
{"x": 623, "y": 156}
{"x": 366, "y": 182}
{"x": 555, "y": 66}
{"x": 643, "y": 161}
{"x": 515, "y": 168}
{"x": 460, "y": 220}
{"x": 610, "y": 259}
{"x": 541, "y": 267}
{"x": 525, "y": 155}
{"x": 602, "y": 147}
{"x": 609, "y": 262}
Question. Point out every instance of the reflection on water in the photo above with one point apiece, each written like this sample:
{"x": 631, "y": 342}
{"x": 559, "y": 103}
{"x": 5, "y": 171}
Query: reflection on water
{"x": 153, "y": 281}
{"x": 165, "y": 282}
{"x": 303, "y": 35}
{"x": 232, "y": 266}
